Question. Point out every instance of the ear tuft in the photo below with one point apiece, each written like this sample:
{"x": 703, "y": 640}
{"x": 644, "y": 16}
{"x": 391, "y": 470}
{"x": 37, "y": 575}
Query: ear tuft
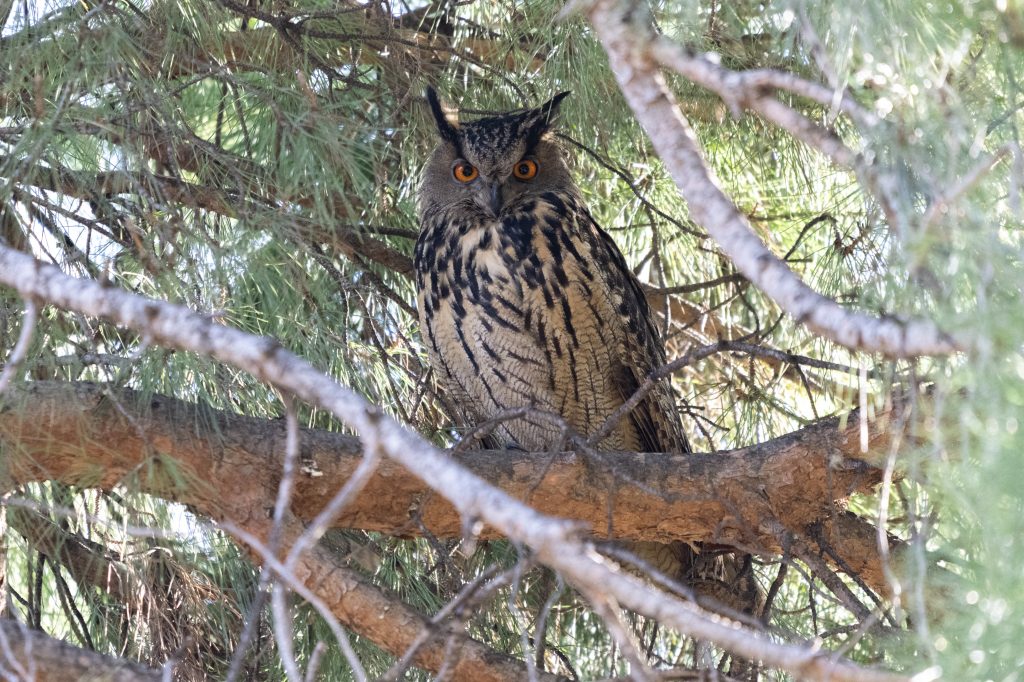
{"x": 549, "y": 110}
{"x": 542, "y": 119}
{"x": 447, "y": 121}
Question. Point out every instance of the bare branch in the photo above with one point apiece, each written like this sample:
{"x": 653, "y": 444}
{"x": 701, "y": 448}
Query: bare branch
{"x": 636, "y": 68}
{"x": 471, "y": 592}
{"x": 754, "y": 90}
{"x": 347, "y": 240}
{"x": 88, "y": 562}
{"x": 606, "y": 608}
{"x": 972, "y": 177}
{"x": 741, "y": 88}
{"x": 391, "y": 623}
{"x": 283, "y": 633}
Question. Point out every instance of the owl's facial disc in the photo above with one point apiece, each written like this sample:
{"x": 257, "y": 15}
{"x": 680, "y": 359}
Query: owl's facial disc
{"x": 492, "y": 164}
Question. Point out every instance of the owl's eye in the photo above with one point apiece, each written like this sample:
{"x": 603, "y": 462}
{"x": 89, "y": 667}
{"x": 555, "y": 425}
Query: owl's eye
{"x": 464, "y": 172}
{"x": 526, "y": 169}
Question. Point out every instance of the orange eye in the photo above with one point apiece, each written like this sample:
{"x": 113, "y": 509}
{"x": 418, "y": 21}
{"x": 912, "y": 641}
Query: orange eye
{"x": 464, "y": 172}
{"x": 525, "y": 169}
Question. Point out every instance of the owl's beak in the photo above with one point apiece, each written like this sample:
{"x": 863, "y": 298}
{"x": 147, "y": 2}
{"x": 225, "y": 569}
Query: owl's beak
{"x": 494, "y": 200}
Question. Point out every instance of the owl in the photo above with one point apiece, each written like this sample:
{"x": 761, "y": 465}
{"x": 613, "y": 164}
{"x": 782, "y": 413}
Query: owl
{"x": 524, "y": 301}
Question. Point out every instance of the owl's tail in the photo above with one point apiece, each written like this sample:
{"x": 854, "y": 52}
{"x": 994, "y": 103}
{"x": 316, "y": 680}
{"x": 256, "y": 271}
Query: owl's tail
{"x": 721, "y": 580}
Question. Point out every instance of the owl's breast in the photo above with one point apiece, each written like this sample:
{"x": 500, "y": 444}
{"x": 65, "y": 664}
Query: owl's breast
{"x": 485, "y": 258}
{"x": 514, "y": 316}
{"x": 475, "y": 316}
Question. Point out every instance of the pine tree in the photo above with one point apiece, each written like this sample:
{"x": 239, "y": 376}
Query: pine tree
{"x": 257, "y": 163}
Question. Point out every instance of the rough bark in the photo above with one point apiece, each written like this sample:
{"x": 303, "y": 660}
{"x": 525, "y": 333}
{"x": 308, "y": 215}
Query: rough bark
{"x": 226, "y": 467}
{"x": 88, "y": 562}
{"x": 94, "y": 435}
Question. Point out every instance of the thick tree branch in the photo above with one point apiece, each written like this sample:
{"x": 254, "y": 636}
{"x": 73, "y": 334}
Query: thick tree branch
{"x": 103, "y": 438}
{"x": 637, "y": 71}
{"x": 556, "y": 542}
{"x": 388, "y": 621}
{"x": 61, "y": 430}
{"x": 31, "y": 655}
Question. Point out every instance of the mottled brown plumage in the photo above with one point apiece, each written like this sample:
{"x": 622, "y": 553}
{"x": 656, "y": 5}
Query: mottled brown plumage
{"x": 524, "y": 300}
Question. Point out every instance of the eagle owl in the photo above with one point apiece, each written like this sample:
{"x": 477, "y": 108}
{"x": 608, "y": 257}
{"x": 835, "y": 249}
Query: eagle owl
{"x": 524, "y": 301}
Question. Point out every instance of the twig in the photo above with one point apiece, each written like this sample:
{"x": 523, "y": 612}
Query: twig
{"x": 891, "y": 579}
{"x": 540, "y": 629}
{"x": 942, "y": 204}
{"x": 485, "y": 428}
{"x": 639, "y": 671}
{"x": 817, "y": 49}
{"x": 470, "y": 591}
{"x": 284, "y": 489}
{"x": 283, "y": 633}
{"x": 314, "y": 661}
{"x": 697, "y": 286}
{"x": 288, "y": 576}
{"x": 792, "y": 358}
{"x": 281, "y": 504}
{"x": 741, "y": 87}
{"x": 604, "y": 163}
{"x": 28, "y": 327}
{"x": 364, "y": 472}
{"x": 647, "y": 386}
{"x": 752, "y": 89}
{"x": 773, "y": 589}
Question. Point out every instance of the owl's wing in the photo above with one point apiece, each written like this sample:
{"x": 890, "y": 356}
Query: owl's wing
{"x": 656, "y": 418}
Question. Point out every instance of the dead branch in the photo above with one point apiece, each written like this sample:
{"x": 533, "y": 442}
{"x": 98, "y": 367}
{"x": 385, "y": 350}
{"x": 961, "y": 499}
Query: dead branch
{"x": 84, "y": 185}
{"x": 28, "y": 327}
{"x": 88, "y": 562}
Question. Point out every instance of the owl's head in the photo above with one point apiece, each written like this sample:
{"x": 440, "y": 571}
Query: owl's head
{"x": 489, "y": 164}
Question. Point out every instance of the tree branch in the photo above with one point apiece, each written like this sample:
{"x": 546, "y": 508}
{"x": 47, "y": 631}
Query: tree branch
{"x": 86, "y": 185}
{"x": 114, "y": 432}
{"x": 33, "y": 655}
{"x": 559, "y": 543}
{"x": 637, "y": 71}
{"x": 88, "y": 562}
{"x": 63, "y": 430}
